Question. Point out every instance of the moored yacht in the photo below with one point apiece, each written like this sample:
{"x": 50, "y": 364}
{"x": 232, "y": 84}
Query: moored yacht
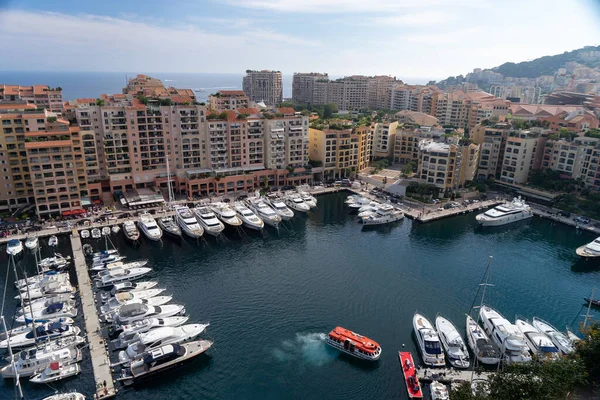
{"x": 384, "y": 214}
{"x": 266, "y": 213}
{"x": 505, "y": 213}
{"x": 539, "y": 344}
{"x": 133, "y": 312}
{"x": 57, "y": 310}
{"x": 149, "y": 227}
{"x": 49, "y": 330}
{"x": 14, "y": 247}
{"x": 355, "y": 201}
{"x": 249, "y": 219}
{"x": 109, "y": 277}
{"x": 169, "y": 226}
{"x": 589, "y": 250}
{"x": 506, "y": 335}
{"x": 96, "y": 234}
{"x": 354, "y": 344}
{"x": 278, "y": 205}
{"x": 131, "y": 231}
{"x": 295, "y": 202}
{"x": 560, "y": 340}
{"x": 53, "y": 241}
{"x": 453, "y": 343}
{"x": 187, "y": 222}
{"x": 84, "y": 234}
{"x": 208, "y": 220}
{"x": 31, "y": 242}
{"x": 483, "y": 347}
{"x": 56, "y": 371}
{"x": 31, "y": 361}
{"x": 226, "y": 214}
{"x": 439, "y": 391}
{"x": 429, "y": 342}
{"x": 308, "y": 199}
{"x": 122, "y": 299}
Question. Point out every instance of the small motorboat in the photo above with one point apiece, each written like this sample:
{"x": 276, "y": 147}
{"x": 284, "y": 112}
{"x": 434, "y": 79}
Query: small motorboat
{"x": 66, "y": 396}
{"x": 250, "y": 220}
{"x": 429, "y": 342}
{"x": 14, "y": 247}
{"x": 56, "y": 371}
{"x": 31, "y": 242}
{"x": 539, "y": 343}
{"x": 411, "y": 379}
{"x": 295, "y": 202}
{"x": 102, "y": 253}
{"x": 115, "y": 229}
{"x": 53, "y": 241}
{"x": 439, "y": 391}
{"x": 560, "y": 340}
{"x": 105, "y": 231}
{"x": 84, "y": 234}
{"x": 169, "y": 226}
{"x": 354, "y": 344}
{"x": 96, "y": 233}
{"x": 592, "y": 302}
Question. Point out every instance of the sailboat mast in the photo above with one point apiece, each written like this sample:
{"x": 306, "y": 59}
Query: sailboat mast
{"x": 21, "y": 298}
{"x": 12, "y": 359}
{"x": 587, "y": 314}
{"x": 485, "y": 285}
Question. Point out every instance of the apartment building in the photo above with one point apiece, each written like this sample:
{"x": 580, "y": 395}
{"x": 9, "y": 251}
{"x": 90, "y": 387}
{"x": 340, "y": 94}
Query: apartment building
{"x": 265, "y": 86}
{"x": 304, "y": 91}
{"x": 415, "y": 117}
{"x": 378, "y": 91}
{"x": 577, "y": 159}
{"x": 43, "y": 96}
{"x": 384, "y": 136}
{"x": 406, "y": 145}
{"x": 492, "y": 140}
{"x": 338, "y": 150}
{"x": 147, "y": 86}
{"x": 365, "y": 143}
{"x": 225, "y": 100}
{"x": 411, "y": 97}
{"x": 447, "y": 165}
{"x": 465, "y": 110}
{"x": 523, "y": 153}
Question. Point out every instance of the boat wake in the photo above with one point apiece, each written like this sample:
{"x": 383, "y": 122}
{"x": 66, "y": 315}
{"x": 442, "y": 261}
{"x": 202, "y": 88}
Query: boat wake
{"x": 307, "y": 348}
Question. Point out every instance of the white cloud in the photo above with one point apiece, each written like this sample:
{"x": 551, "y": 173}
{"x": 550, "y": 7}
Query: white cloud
{"x": 425, "y": 18}
{"x": 332, "y": 6}
{"x": 440, "y": 37}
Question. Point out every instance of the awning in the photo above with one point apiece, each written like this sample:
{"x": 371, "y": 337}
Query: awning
{"x": 73, "y": 212}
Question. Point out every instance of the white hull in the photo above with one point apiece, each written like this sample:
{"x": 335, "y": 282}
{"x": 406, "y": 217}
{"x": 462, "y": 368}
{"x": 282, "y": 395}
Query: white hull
{"x": 32, "y": 244}
{"x": 424, "y": 331}
{"x": 41, "y": 359}
{"x": 475, "y": 333}
{"x": 506, "y": 220}
{"x": 355, "y": 353}
{"x": 149, "y": 227}
{"x": 66, "y": 371}
{"x": 382, "y": 221}
{"x": 14, "y": 249}
{"x": 560, "y": 340}
{"x": 454, "y": 345}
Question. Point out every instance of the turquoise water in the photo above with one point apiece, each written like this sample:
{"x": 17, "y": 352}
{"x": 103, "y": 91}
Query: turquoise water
{"x": 271, "y": 300}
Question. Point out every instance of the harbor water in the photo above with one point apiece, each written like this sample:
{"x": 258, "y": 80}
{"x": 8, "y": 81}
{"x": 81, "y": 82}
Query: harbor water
{"x": 272, "y": 298}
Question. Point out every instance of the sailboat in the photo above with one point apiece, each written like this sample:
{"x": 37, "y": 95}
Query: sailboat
{"x": 168, "y": 223}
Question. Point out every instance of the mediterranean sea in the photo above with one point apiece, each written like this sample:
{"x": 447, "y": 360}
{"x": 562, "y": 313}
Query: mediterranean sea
{"x": 271, "y": 299}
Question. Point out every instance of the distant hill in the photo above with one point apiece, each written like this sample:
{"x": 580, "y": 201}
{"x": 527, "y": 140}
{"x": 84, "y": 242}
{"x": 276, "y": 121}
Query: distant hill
{"x": 547, "y": 65}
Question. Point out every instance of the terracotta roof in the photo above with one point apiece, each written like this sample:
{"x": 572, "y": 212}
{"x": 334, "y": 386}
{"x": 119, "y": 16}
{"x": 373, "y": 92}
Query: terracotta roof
{"x": 40, "y": 89}
{"x": 232, "y": 92}
{"x": 181, "y": 99}
{"x": 86, "y": 101}
{"x": 286, "y": 110}
{"x": 50, "y": 143}
{"x": 17, "y": 106}
{"x": 249, "y": 111}
{"x": 11, "y": 89}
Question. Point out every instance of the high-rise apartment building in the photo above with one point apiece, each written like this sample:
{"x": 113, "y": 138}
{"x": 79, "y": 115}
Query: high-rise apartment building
{"x": 578, "y": 159}
{"x": 406, "y": 145}
{"x": 304, "y": 91}
{"x": 43, "y": 96}
{"x": 447, "y": 165}
{"x": 465, "y": 110}
{"x": 384, "y": 136}
{"x": 228, "y": 100}
{"x": 265, "y": 86}
{"x": 493, "y": 143}
{"x": 341, "y": 152}
{"x": 523, "y": 153}
{"x": 378, "y": 91}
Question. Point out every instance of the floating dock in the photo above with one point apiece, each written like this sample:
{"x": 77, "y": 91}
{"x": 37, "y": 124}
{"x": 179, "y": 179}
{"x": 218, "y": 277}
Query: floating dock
{"x": 447, "y": 375}
{"x": 104, "y": 388}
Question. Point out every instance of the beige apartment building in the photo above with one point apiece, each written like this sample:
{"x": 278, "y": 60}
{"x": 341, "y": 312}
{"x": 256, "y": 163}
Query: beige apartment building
{"x": 225, "y": 100}
{"x": 340, "y": 151}
{"x": 447, "y": 165}
{"x": 43, "y": 96}
{"x": 265, "y": 86}
{"x": 577, "y": 159}
{"x": 154, "y": 88}
{"x": 493, "y": 143}
{"x": 411, "y": 97}
{"x": 406, "y": 145}
{"x": 378, "y": 91}
{"x": 465, "y": 110}
{"x": 523, "y": 153}
{"x": 384, "y": 136}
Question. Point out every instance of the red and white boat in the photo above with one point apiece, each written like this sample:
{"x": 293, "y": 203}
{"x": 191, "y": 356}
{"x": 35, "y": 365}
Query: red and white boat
{"x": 410, "y": 375}
{"x": 354, "y": 344}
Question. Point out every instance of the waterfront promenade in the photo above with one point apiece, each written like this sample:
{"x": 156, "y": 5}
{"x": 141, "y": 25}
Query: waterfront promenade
{"x": 100, "y": 362}
{"x": 449, "y": 375}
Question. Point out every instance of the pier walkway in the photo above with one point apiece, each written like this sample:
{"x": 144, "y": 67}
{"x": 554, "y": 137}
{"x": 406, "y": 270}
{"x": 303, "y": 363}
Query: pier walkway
{"x": 447, "y": 375}
{"x": 98, "y": 353}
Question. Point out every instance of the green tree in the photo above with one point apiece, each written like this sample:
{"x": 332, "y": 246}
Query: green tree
{"x": 588, "y": 350}
{"x": 329, "y": 109}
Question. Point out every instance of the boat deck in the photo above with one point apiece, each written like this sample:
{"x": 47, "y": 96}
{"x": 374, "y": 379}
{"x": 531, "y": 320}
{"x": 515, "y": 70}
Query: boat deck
{"x": 406, "y": 360}
{"x": 448, "y": 375}
{"x": 97, "y": 345}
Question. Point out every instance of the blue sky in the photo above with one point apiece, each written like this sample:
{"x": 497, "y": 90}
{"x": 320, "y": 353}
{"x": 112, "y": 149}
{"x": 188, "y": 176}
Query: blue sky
{"x": 404, "y": 38}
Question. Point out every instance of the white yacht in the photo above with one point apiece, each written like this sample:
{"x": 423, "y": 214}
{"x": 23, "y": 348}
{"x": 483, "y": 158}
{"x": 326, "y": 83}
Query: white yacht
{"x": 131, "y": 231}
{"x": 66, "y": 396}
{"x": 266, "y": 213}
{"x": 57, "y": 310}
{"x": 96, "y": 234}
{"x": 355, "y": 201}
{"x": 29, "y": 362}
{"x": 308, "y": 199}
{"x": 133, "y": 312}
{"x": 49, "y": 330}
{"x": 539, "y": 344}
{"x": 295, "y": 202}
{"x": 429, "y": 342}
{"x": 31, "y": 242}
{"x": 14, "y": 247}
{"x": 109, "y": 277}
{"x": 130, "y": 333}
{"x": 483, "y": 347}
{"x": 249, "y": 219}
{"x": 133, "y": 294}
{"x": 115, "y": 229}
{"x": 127, "y": 287}
{"x": 149, "y": 227}
{"x": 559, "y": 339}
{"x": 278, "y": 205}
{"x": 119, "y": 264}
{"x": 47, "y": 289}
{"x": 505, "y": 213}
{"x": 53, "y": 241}
{"x": 106, "y": 231}
{"x": 590, "y": 250}
{"x": 454, "y": 345}
{"x": 187, "y": 222}
{"x": 384, "y": 214}
{"x": 56, "y": 262}
{"x": 121, "y": 299}
{"x": 84, "y": 234}
{"x": 169, "y": 226}
{"x": 38, "y": 305}
{"x": 506, "y": 335}
{"x": 226, "y": 214}
{"x": 37, "y": 280}
{"x": 439, "y": 391}
{"x": 208, "y": 220}
{"x": 56, "y": 371}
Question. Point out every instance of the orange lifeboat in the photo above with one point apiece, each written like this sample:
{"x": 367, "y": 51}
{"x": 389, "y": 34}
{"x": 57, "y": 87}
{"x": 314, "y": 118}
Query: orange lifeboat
{"x": 354, "y": 344}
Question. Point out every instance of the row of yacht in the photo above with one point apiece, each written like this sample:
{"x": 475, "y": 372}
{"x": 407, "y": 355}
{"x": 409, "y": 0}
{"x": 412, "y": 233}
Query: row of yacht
{"x": 148, "y": 333}
{"x": 372, "y": 212}
{"x": 496, "y": 339}
{"x": 14, "y": 247}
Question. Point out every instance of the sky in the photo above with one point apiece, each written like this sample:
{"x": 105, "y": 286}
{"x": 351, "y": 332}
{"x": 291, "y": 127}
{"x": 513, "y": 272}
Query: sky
{"x": 421, "y": 39}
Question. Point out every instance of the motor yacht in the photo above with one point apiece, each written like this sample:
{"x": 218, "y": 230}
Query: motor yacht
{"x": 308, "y": 199}
{"x": 44, "y": 302}
{"x": 41, "y": 279}
{"x": 169, "y": 334}
{"x": 439, "y": 391}
{"x": 29, "y": 362}
{"x": 429, "y": 342}
{"x": 106, "y": 231}
{"x": 149, "y": 227}
{"x": 56, "y": 310}
{"x": 56, "y": 371}
{"x": 131, "y": 231}
{"x": 48, "y": 289}
{"x": 26, "y": 328}
{"x": 31, "y": 242}
{"x": 384, "y": 214}
{"x": 130, "y": 333}
{"x": 133, "y": 312}
{"x": 56, "y": 262}
{"x": 103, "y": 262}
{"x": 295, "y": 202}
{"x": 278, "y": 205}
{"x": 589, "y": 250}
{"x": 169, "y": 226}
{"x": 119, "y": 264}
{"x": 208, "y": 220}
{"x": 127, "y": 287}
{"x": 457, "y": 353}
{"x": 14, "y": 247}
{"x": 96, "y": 233}
{"x": 505, "y": 213}
{"x": 264, "y": 212}
{"x": 560, "y": 340}
{"x": 250, "y": 220}
{"x": 187, "y": 222}
{"x": 163, "y": 358}
{"x": 506, "y": 335}
{"x": 355, "y": 201}
{"x": 65, "y": 396}
{"x": 85, "y": 234}
{"x": 354, "y": 344}
{"x": 139, "y": 294}
{"x": 226, "y": 214}
{"x": 53, "y": 241}
{"x": 111, "y": 276}
{"x": 45, "y": 331}
{"x": 539, "y": 344}
{"x": 115, "y": 229}
{"x": 129, "y": 298}
{"x": 482, "y": 346}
